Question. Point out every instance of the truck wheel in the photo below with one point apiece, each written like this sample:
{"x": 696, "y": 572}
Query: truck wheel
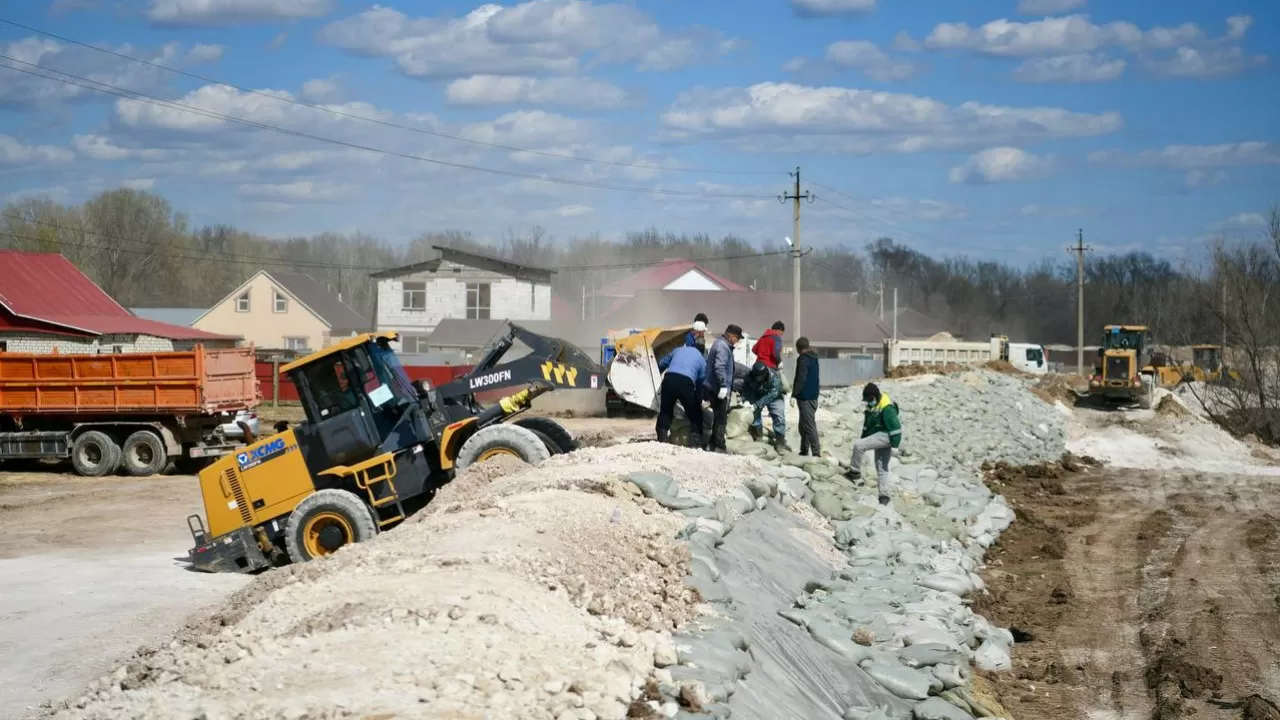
{"x": 326, "y": 521}
{"x": 497, "y": 440}
{"x": 95, "y": 454}
{"x": 551, "y": 433}
{"x": 144, "y": 454}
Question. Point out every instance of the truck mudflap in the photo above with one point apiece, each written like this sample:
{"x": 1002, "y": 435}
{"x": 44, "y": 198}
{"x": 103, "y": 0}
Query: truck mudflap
{"x": 237, "y": 551}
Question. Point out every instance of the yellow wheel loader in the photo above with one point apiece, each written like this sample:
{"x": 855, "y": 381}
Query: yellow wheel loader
{"x": 1123, "y": 372}
{"x": 374, "y": 448}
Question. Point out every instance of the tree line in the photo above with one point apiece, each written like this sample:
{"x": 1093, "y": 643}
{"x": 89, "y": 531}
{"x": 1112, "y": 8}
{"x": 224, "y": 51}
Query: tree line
{"x": 145, "y": 253}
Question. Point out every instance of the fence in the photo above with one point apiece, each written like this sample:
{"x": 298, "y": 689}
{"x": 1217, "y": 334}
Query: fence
{"x": 276, "y": 388}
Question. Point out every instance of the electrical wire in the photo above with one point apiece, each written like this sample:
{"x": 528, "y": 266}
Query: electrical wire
{"x": 309, "y": 264}
{"x": 376, "y": 121}
{"x": 79, "y": 81}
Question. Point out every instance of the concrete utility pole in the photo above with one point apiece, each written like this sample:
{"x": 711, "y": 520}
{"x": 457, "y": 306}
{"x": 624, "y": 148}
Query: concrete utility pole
{"x": 1079, "y": 249}
{"x": 796, "y": 196}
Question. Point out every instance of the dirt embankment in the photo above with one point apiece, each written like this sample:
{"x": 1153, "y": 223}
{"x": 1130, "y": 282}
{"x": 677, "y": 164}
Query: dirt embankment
{"x": 1137, "y": 593}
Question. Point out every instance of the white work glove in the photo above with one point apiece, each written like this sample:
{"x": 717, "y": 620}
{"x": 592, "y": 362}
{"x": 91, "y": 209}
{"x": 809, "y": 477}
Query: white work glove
{"x": 724, "y": 393}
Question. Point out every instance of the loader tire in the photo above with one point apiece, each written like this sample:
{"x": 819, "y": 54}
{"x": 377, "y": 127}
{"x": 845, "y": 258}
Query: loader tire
{"x": 497, "y": 440}
{"x": 553, "y": 435}
{"x": 326, "y": 521}
{"x": 94, "y": 454}
{"x": 144, "y": 454}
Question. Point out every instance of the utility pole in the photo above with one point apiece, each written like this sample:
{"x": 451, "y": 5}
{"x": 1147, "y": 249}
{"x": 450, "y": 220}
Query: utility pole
{"x": 895, "y": 314}
{"x": 1079, "y": 249}
{"x": 796, "y": 196}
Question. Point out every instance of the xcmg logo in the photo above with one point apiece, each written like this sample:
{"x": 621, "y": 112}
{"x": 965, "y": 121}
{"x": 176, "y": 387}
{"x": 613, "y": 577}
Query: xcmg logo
{"x": 259, "y": 454}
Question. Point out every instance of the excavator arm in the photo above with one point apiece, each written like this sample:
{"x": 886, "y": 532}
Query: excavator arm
{"x": 551, "y": 363}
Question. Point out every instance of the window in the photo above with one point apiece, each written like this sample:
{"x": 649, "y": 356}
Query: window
{"x": 1035, "y": 356}
{"x": 330, "y": 389}
{"x": 415, "y": 296}
{"x": 242, "y": 302}
{"x": 413, "y": 344}
{"x": 477, "y": 301}
{"x": 296, "y": 343}
{"x": 4, "y": 346}
{"x": 281, "y": 303}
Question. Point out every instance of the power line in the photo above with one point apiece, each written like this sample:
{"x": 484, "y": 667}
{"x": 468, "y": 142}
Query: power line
{"x": 309, "y": 264}
{"x": 909, "y": 233}
{"x": 946, "y": 223}
{"x": 376, "y": 121}
{"x": 110, "y": 89}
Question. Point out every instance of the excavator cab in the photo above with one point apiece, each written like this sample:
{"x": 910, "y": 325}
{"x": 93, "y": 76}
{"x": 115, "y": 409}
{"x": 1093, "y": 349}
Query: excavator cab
{"x": 374, "y": 448}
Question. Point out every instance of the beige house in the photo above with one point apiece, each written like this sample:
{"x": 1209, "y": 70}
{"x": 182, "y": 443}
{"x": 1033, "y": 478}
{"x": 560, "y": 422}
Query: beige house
{"x": 283, "y": 310}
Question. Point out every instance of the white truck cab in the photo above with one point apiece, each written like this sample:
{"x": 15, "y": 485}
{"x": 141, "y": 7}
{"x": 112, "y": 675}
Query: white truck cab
{"x": 1029, "y": 358}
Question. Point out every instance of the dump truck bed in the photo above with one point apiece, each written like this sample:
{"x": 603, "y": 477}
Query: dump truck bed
{"x": 199, "y": 381}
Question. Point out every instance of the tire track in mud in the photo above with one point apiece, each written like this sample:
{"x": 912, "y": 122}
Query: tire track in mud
{"x": 1167, "y": 597}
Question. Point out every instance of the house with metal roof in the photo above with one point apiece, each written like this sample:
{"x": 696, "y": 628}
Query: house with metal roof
{"x": 171, "y": 315}
{"x": 283, "y": 310}
{"x": 462, "y": 285}
{"x": 48, "y": 305}
{"x": 672, "y": 274}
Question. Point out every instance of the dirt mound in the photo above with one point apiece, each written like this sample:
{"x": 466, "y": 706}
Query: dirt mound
{"x": 1003, "y": 366}
{"x": 471, "y": 483}
{"x": 1040, "y": 475}
{"x": 906, "y": 371}
{"x": 1170, "y": 407}
{"x": 1056, "y": 388}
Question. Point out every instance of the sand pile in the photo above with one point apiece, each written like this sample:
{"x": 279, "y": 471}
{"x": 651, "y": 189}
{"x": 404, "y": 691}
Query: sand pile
{"x": 528, "y": 594}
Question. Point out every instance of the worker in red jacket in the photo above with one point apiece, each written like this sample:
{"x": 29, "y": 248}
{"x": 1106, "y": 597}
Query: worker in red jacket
{"x": 768, "y": 348}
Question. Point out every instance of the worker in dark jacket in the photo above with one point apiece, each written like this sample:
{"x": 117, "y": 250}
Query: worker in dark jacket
{"x": 697, "y": 336}
{"x": 763, "y": 389}
{"x": 881, "y": 432}
{"x": 719, "y": 384}
{"x": 805, "y": 392}
{"x": 768, "y": 349}
{"x": 684, "y": 373}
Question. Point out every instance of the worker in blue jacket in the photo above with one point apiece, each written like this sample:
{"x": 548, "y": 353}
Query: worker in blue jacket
{"x": 684, "y": 372}
{"x": 804, "y": 391}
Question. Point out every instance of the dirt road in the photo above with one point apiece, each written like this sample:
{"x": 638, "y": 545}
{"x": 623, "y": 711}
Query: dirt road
{"x": 90, "y": 572}
{"x": 1139, "y": 594}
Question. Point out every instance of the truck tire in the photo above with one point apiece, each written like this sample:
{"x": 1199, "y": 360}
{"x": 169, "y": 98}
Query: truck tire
{"x": 144, "y": 454}
{"x": 326, "y": 521}
{"x": 551, "y": 433}
{"x": 497, "y": 440}
{"x": 94, "y": 454}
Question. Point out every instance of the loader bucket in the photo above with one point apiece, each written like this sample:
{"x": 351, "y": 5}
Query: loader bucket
{"x": 633, "y": 373}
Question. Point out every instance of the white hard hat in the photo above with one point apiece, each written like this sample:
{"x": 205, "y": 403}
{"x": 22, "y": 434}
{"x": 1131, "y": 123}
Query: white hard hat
{"x": 699, "y": 326}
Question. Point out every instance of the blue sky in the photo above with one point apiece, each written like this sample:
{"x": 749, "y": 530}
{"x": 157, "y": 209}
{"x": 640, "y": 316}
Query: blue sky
{"x": 993, "y": 131}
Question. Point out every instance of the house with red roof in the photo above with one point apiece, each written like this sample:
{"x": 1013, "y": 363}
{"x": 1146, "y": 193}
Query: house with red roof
{"x": 672, "y": 274}
{"x": 48, "y": 305}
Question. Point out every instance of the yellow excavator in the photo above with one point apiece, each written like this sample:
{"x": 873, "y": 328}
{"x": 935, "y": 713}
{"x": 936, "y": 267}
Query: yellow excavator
{"x": 374, "y": 447}
{"x": 1123, "y": 372}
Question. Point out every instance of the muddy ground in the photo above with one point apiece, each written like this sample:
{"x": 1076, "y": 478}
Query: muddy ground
{"x": 1138, "y": 594}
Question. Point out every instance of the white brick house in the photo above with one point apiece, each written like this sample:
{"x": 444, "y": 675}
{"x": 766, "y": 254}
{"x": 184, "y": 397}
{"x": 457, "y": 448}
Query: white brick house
{"x": 458, "y": 284}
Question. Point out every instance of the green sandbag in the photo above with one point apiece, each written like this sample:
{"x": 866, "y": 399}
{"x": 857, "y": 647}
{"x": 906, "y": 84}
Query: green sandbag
{"x": 651, "y": 483}
{"x": 900, "y": 680}
{"x": 939, "y": 709}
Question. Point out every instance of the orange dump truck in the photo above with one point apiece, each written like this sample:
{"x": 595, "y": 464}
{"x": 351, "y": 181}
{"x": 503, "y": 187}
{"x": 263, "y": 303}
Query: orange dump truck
{"x": 133, "y": 412}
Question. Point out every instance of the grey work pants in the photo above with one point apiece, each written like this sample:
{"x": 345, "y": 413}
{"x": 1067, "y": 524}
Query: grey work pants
{"x": 809, "y": 443}
{"x": 878, "y": 442}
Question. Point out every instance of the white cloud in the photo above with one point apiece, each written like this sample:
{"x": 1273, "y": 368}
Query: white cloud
{"x": 530, "y": 129}
{"x": 205, "y": 53}
{"x": 574, "y": 210}
{"x": 321, "y": 90}
{"x": 579, "y": 92}
{"x": 1244, "y": 221}
{"x": 14, "y": 152}
{"x": 923, "y": 209}
{"x": 1049, "y": 7}
{"x": 784, "y": 116}
{"x": 140, "y": 183}
{"x": 869, "y": 59}
{"x": 1214, "y": 62}
{"x": 278, "y": 41}
{"x": 100, "y": 147}
{"x": 300, "y": 191}
{"x": 57, "y": 193}
{"x": 1074, "y": 68}
{"x": 833, "y": 7}
{"x": 539, "y": 36}
{"x": 1002, "y": 164}
{"x": 1194, "y": 157}
{"x": 1055, "y": 36}
{"x": 1203, "y": 178}
{"x": 24, "y": 91}
{"x": 216, "y": 13}
{"x": 63, "y": 7}
{"x": 1051, "y": 211}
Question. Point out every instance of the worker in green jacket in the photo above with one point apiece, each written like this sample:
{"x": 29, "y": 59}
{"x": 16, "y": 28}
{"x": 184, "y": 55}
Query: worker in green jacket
{"x": 881, "y": 432}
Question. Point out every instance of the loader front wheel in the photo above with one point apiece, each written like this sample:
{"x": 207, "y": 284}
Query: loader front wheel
{"x": 495, "y": 440}
{"x": 324, "y": 522}
{"x": 553, "y": 435}
{"x": 95, "y": 454}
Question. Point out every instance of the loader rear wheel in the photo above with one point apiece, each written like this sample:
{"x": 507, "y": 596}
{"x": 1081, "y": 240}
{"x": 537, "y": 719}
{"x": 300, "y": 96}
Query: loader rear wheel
{"x": 326, "y": 521}
{"x": 553, "y": 435}
{"x": 496, "y": 440}
{"x": 95, "y": 454}
{"x": 144, "y": 454}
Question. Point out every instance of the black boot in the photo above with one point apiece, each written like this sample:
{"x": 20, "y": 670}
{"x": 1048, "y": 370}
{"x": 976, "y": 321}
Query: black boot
{"x": 780, "y": 444}
{"x": 755, "y": 432}
{"x": 663, "y": 435}
{"x": 695, "y": 442}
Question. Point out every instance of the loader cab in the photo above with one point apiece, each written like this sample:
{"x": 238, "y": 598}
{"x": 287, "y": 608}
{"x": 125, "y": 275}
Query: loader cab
{"x": 358, "y": 401}
{"x": 1207, "y": 358}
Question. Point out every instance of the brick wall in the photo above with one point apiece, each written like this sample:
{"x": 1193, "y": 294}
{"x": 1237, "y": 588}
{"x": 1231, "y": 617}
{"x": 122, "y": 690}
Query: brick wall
{"x": 446, "y": 297}
{"x": 29, "y": 342}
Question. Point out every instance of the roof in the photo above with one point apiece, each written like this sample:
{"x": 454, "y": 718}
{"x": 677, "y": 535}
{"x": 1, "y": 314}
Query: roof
{"x": 318, "y": 299}
{"x": 469, "y": 258}
{"x": 48, "y": 288}
{"x": 350, "y": 342}
{"x": 657, "y": 277}
{"x": 173, "y": 316}
{"x": 828, "y": 317}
